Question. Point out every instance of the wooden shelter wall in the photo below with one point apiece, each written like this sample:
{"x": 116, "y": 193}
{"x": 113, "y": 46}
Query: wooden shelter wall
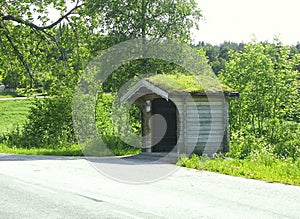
{"x": 205, "y": 125}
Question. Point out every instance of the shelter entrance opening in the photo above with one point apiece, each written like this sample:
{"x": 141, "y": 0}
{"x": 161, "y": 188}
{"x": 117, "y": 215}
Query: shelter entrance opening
{"x": 168, "y": 110}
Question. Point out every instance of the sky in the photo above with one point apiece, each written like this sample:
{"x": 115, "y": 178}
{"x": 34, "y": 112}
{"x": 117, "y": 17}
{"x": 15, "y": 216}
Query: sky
{"x": 246, "y": 20}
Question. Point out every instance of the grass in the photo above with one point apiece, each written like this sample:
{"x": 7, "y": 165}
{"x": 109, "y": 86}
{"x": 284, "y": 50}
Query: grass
{"x": 73, "y": 150}
{"x": 187, "y": 83}
{"x": 7, "y": 95}
{"x": 14, "y": 94}
{"x": 13, "y": 113}
{"x": 105, "y": 152}
{"x": 270, "y": 170}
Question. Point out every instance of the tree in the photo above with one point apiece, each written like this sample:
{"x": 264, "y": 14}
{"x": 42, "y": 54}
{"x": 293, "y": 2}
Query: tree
{"x": 46, "y": 53}
{"x": 31, "y": 46}
{"x": 266, "y": 78}
{"x": 37, "y": 49}
{"x": 218, "y": 54}
{"x": 154, "y": 19}
{"x": 262, "y": 120}
{"x": 147, "y": 18}
{"x": 54, "y": 53}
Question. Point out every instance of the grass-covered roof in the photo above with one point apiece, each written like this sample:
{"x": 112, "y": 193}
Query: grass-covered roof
{"x": 176, "y": 83}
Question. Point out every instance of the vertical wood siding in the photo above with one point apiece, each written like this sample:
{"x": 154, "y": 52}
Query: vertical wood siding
{"x": 206, "y": 125}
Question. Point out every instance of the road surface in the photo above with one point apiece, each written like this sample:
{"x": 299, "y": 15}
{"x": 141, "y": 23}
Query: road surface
{"x": 60, "y": 187}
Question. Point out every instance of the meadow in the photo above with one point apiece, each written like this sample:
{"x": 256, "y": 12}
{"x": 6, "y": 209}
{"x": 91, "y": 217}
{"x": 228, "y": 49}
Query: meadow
{"x": 13, "y": 114}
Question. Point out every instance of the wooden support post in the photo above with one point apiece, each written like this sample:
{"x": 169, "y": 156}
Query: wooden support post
{"x": 146, "y": 129}
{"x": 226, "y": 126}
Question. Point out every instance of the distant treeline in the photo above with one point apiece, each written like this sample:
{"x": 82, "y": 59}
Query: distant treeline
{"x": 218, "y": 54}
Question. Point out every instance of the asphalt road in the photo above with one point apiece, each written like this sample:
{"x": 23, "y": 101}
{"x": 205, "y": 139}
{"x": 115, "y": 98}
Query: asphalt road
{"x": 57, "y": 187}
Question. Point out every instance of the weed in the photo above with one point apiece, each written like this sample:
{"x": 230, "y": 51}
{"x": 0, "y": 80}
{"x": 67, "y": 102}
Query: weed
{"x": 261, "y": 166}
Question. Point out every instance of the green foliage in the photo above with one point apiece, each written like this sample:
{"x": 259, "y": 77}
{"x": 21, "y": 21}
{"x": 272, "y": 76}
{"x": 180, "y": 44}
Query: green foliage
{"x": 146, "y": 18}
{"x": 72, "y": 150}
{"x": 187, "y": 83}
{"x": 243, "y": 143}
{"x": 51, "y": 55}
{"x": 285, "y": 144}
{"x": 267, "y": 81}
{"x": 194, "y": 162}
{"x": 218, "y": 54}
{"x": 153, "y": 19}
{"x": 13, "y": 114}
{"x": 262, "y": 166}
{"x": 264, "y": 118}
{"x": 136, "y": 69}
{"x": 12, "y": 80}
{"x": 113, "y": 130}
{"x": 46, "y": 53}
{"x": 285, "y": 138}
{"x": 9, "y": 95}
{"x": 142, "y": 67}
{"x": 265, "y": 134}
{"x": 283, "y": 171}
{"x": 49, "y": 124}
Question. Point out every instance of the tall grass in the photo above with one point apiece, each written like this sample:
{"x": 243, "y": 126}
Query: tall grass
{"x": 13, "y": 114}
{"x": 263, "y": 166}
{"x": 73, "y": 150}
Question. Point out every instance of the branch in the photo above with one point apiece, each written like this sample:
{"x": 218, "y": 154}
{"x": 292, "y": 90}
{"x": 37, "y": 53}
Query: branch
{"x": 32, "y": 25}
{"x": 63, "y": 54}
{"x": 19, "y": 55}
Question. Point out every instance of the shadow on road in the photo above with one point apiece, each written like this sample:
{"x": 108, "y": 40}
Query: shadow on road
{"x": 15, "y": 157}
{"x": 143, "y": 158}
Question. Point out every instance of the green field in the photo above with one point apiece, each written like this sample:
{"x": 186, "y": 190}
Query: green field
{"x": 13, "y": 113}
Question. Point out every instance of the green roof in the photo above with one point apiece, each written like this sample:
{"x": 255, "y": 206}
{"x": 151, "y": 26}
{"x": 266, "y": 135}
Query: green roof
{"x": 177, "y": 83}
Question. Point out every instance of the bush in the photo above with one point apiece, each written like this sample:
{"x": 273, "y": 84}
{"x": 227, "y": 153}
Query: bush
{"x": 113, "y": 135}
{"x": 263, "y": 157}
{"x": 195, "y": 161}
{"x": 243, "y": 143}
{"x": 285, "y": 136}
{"x": 49, "y": 125}
{"x": 280, "y": 138}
